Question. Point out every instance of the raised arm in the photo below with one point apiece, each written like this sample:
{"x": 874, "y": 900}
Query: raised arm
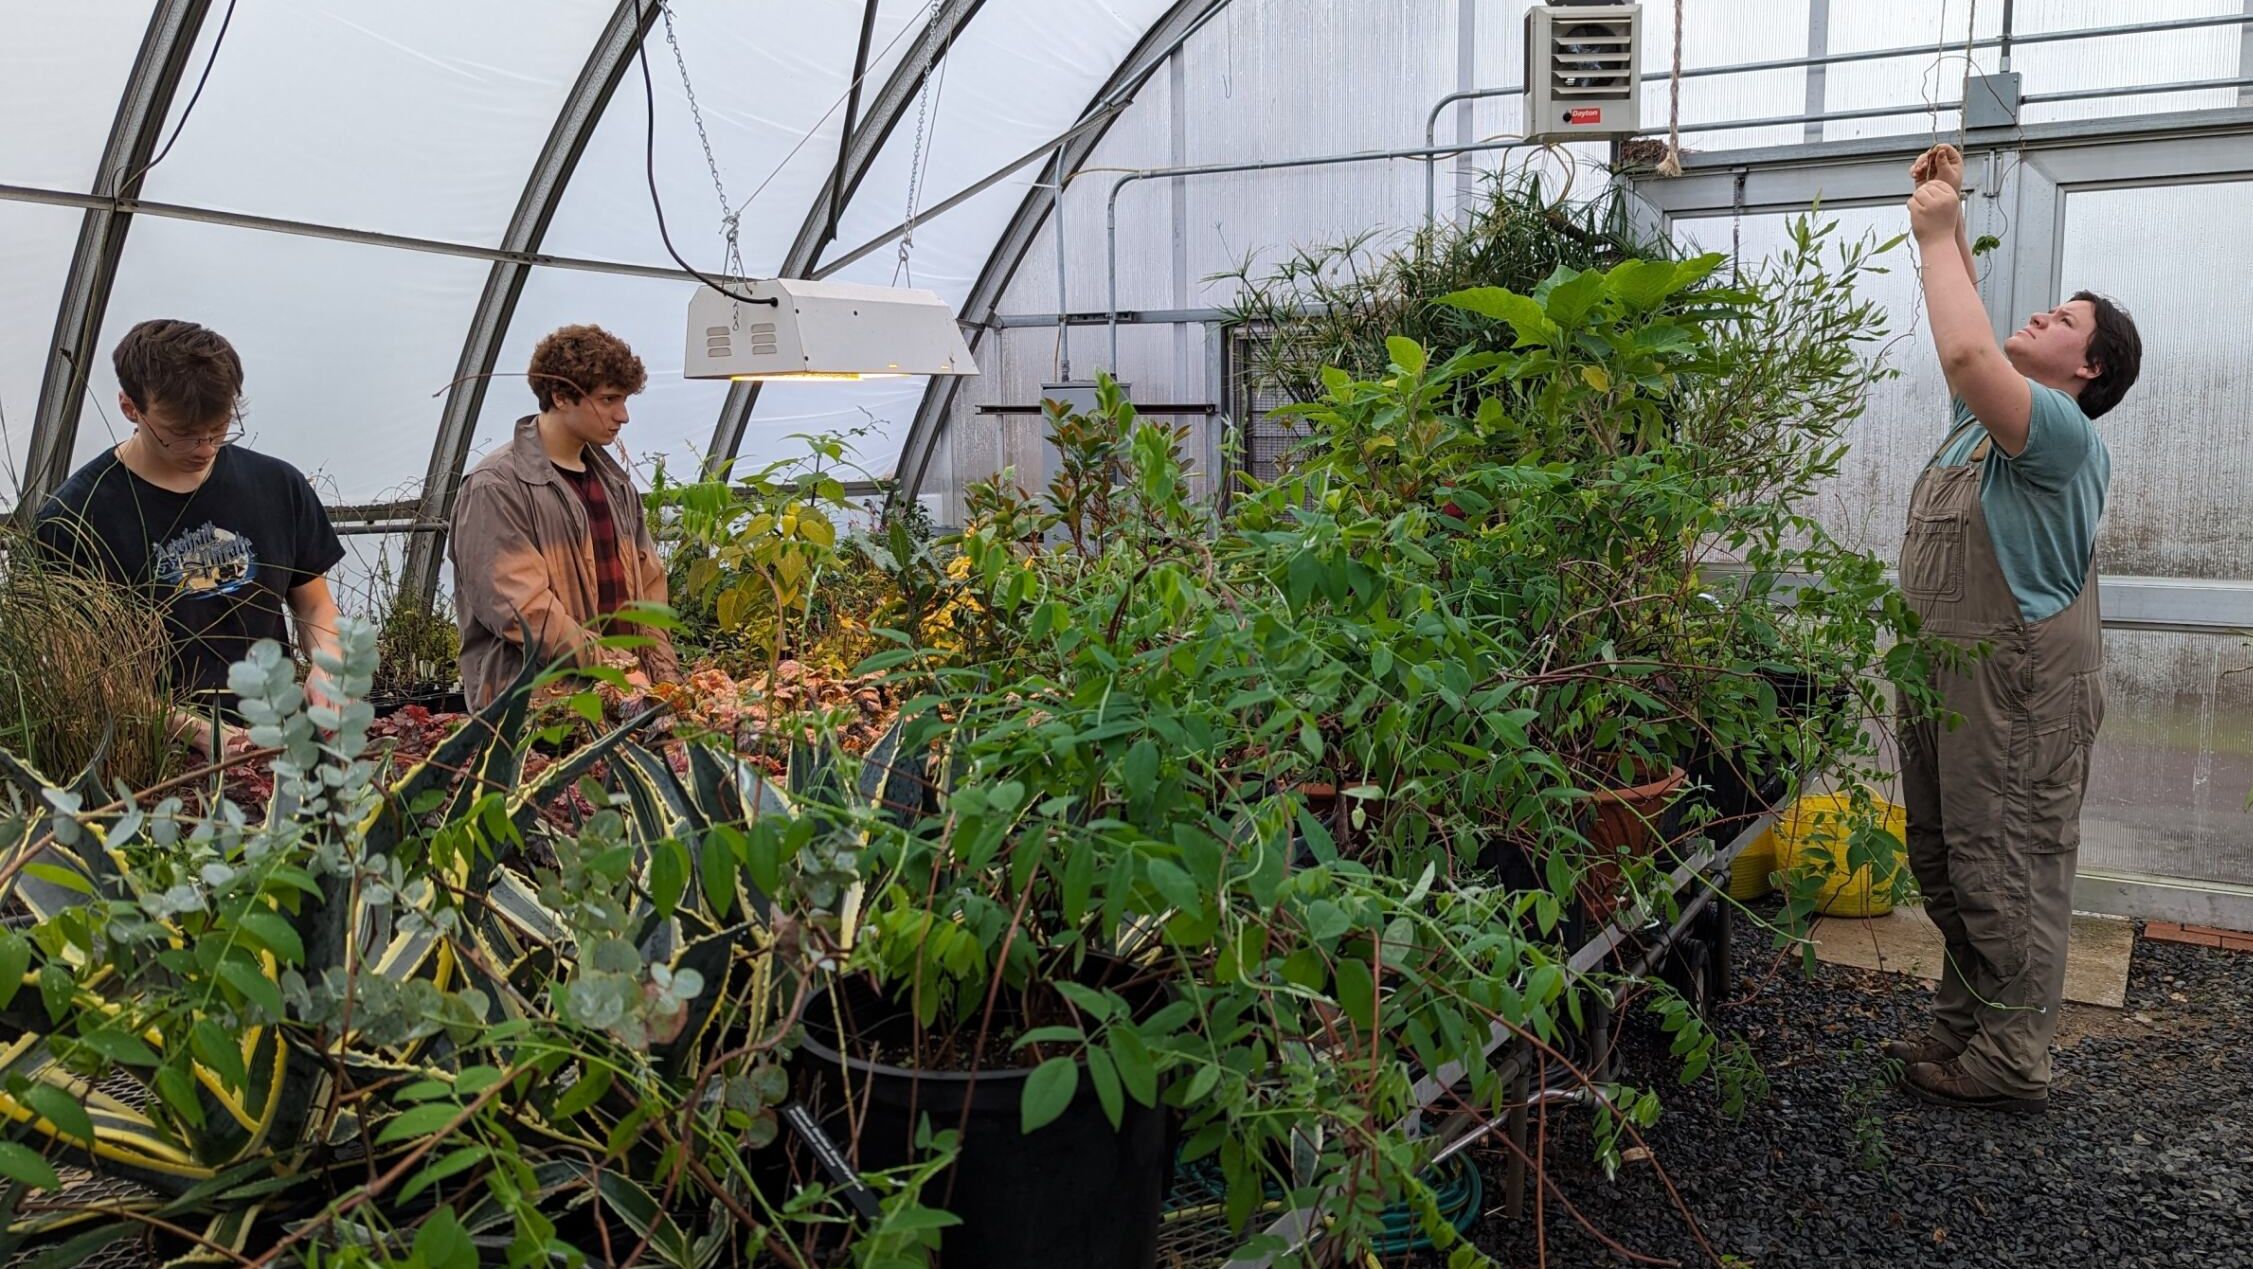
{"x": 1973, "y": 362}
{"x": 1946, "y": 163}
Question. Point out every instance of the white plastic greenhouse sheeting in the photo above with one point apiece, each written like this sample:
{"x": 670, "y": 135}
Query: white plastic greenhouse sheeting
{"x": 422, "y": 117}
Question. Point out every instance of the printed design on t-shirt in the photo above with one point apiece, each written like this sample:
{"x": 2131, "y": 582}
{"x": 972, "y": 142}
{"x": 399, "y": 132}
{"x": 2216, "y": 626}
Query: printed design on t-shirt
{"x": 205, "y": 561}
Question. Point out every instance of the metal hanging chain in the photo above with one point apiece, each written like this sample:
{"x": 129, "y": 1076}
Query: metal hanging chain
{"x": 904, "y": 265}
{"x": 732, "y": 266}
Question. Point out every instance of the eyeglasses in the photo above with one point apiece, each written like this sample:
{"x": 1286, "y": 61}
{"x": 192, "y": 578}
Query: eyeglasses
{"x": 172, "y": 440}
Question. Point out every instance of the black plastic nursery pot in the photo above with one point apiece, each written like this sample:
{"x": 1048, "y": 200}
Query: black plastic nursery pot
{"x": 1735, "y": 794}
{"x": 1076, "y": 1192}
{"x": 436, "y": 700}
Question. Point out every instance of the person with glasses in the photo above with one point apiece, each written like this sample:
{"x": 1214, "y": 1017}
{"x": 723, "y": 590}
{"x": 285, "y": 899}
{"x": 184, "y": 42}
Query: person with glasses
{"x": 230, "y": 543}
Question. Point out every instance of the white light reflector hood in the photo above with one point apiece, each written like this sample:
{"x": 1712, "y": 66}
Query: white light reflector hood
{"x": 821, "y": 330}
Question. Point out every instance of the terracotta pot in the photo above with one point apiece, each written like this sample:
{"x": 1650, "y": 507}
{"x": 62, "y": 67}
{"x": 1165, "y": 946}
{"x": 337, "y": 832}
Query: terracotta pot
{"x": 1624, "y": 822}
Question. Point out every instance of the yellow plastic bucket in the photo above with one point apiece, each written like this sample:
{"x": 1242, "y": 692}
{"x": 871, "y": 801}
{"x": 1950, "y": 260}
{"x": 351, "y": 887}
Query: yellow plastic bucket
{"x": 1749, "y": 872}
{"x": 1813, "y": 834}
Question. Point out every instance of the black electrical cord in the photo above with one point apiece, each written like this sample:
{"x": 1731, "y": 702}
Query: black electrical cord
{"x": 649, "y": 151}
{"x": 225, "y": 20}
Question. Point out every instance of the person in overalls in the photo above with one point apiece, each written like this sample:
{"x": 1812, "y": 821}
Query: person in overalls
{"x": 2000, "y": 554}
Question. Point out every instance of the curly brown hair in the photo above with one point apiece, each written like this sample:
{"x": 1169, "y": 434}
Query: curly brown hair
{"x": 577, "y": 360}
{"x": 191, "y": 371}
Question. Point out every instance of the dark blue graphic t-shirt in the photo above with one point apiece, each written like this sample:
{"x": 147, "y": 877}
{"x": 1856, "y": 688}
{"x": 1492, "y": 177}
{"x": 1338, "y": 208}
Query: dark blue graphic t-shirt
{"x": 221, "y": 561}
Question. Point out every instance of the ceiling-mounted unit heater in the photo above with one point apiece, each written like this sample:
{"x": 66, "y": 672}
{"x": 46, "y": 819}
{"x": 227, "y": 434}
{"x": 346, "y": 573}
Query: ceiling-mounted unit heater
{"x": 1580, "y": 78}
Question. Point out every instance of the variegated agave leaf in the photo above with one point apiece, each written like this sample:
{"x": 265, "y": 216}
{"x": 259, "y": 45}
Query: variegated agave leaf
{"x": 87, "y": 858}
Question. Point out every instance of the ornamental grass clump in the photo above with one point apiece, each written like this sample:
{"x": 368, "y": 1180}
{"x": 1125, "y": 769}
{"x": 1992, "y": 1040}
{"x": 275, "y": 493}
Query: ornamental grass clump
{"x": 83, "y": 670}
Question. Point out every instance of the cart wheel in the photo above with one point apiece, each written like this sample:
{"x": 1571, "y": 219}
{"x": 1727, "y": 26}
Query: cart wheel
{"x": 1720, "y": 922}
{"x": 1688, "y": 969}
{"x": 1697, "y": 979}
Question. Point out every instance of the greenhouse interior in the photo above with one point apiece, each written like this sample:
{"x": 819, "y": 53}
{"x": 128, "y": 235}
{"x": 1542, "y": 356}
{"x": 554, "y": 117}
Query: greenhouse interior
{"x": 1371, "y": 633}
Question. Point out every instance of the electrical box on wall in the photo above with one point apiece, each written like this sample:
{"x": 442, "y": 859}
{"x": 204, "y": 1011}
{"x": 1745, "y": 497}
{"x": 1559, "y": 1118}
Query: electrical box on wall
{"x": 1991, "y": 100}
{"x": 1580, "y": 71}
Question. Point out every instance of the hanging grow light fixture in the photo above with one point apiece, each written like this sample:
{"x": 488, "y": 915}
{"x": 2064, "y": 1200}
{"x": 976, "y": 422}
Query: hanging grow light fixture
{"x": 794, "y": 329}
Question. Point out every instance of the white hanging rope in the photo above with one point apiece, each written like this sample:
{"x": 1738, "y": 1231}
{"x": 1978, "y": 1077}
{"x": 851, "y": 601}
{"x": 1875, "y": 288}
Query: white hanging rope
{"x": 1671, "y": 165}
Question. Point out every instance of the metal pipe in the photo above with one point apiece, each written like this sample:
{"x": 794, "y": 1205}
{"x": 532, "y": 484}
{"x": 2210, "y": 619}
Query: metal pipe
{"x": 2137, "y": 90}
{"x": 334, "y": 233}
{"x": 1431, "y": 138}
{"x": 2005, "y": 42}
{"x": 2030, "y": 99}
{"x": 1111, "y": 215}
{"x": 1828, "y": 116}
{"x": 1063, "y": 309}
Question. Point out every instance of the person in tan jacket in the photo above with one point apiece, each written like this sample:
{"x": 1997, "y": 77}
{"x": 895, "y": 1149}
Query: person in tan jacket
{"x": 549, "y": 536}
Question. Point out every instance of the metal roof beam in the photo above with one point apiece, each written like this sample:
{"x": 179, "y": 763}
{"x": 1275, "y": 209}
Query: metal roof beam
{"x": 1164, "y": 38}
{"x": 613, "y": 52}
{"x": 141, "y": 111}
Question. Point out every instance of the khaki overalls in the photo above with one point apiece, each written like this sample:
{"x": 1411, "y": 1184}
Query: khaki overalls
{"x": 1994, "y": 803}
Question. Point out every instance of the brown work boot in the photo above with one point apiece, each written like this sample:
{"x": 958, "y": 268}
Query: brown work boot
{"x": 1949, "y": 1084}
{"x": 1925, "y": 1048}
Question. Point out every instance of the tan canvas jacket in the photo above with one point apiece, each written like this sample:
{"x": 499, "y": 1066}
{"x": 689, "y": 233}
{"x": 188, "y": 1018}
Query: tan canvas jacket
{"x": 521, "y": 549}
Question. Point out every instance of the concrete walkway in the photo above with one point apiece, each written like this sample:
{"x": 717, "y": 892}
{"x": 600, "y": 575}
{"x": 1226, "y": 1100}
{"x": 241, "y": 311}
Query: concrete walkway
{"x": 1904, "y": 941}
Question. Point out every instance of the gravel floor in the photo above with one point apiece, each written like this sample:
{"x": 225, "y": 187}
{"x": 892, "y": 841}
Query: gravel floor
{"x": 2144, "y": 1158}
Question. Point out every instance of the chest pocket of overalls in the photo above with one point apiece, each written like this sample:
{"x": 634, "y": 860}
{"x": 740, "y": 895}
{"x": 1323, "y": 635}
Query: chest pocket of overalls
{"x": 1932, "y": 555}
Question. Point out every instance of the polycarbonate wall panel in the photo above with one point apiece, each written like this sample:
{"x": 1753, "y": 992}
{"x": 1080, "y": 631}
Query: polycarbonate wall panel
{"x": 2050, "y": 67}
{"x": 63, "y": 66}
{"x": 1017, "y": 362}
{"x": 2174, "y": 763}
{"x": 2181, "y": 503}
{"x": 672, "y": 418}
{"x": 342, "y": 345}
{"x": 2161, "y": 57}
{"x": 1922, "y": 82}
{"x": 1747, "y": 31}
{"x": 1264, "y": 83}
{"x": 416, "y": 117}
{"x": 35, "y": 247}
{"x": 1138, "y": 138}
{"x": 1906, "y": 417}
{"x": 771, "y": 82}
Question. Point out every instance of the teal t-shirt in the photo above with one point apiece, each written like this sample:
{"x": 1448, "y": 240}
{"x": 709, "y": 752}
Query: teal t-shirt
{"x": 2043, "y": 506}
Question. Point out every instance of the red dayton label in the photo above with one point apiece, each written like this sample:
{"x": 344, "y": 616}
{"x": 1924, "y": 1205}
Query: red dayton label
{"x": 1585, "y": 114}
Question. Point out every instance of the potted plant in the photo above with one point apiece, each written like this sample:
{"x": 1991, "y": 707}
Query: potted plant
{"x": 1123, "y": 901}
{"x": 418, "y": 646}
